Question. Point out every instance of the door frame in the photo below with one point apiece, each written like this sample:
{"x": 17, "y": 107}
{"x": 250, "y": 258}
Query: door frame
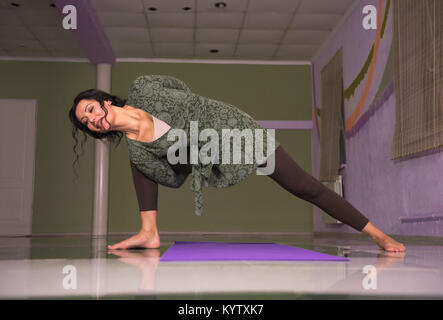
{"x": 22, "y": 226}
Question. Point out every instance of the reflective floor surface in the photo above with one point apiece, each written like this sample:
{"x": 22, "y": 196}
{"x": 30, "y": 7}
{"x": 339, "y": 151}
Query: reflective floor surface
{"x": 81, "y": 267}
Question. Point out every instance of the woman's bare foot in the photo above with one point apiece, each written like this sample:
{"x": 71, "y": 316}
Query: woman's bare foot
{"x": 143, "y": 239}
{"x": 388, "y": 244}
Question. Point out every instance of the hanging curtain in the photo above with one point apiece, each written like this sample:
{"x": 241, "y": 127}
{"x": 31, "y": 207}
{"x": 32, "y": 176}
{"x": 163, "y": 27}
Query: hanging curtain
{"x": 418, "y": 72}
{"x": 331, "y": 95}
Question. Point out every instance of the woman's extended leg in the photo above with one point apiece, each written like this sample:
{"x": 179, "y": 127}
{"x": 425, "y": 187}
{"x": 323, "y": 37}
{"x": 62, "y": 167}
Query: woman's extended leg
{"x": 289, "y": 175}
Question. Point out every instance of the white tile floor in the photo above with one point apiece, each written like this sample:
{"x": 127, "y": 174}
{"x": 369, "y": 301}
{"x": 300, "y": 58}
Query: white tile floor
{"x": 71, "y": 267}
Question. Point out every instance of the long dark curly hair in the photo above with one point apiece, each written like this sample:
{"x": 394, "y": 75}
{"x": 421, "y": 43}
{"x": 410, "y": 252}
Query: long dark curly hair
{"x": 111, "y": 136}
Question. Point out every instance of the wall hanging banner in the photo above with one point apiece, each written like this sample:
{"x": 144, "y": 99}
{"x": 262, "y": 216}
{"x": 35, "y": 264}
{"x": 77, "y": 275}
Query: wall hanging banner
{"x": 349, "y": 91}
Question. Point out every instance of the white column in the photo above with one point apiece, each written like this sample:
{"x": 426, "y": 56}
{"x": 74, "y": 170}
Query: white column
{"x": 101, "y": 172}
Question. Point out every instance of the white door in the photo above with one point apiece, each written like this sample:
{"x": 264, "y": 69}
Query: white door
{"x": 17, "y": 153}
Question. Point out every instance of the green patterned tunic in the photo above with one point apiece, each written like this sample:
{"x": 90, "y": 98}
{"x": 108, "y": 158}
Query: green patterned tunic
{"x": 170, "y": 100}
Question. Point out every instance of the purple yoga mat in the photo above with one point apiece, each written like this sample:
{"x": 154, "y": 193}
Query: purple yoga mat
{"x": 210, "y": 251}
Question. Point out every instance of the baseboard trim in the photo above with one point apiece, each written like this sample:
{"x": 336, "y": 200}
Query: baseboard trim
{"x": 171, "y": 234}
{"x": 181, "y": 234}
{"x": 360, "y": 236}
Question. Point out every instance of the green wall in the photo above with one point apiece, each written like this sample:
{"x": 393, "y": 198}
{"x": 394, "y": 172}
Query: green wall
{"x": 258, "y": 204}
{"x": 59, "y": 205}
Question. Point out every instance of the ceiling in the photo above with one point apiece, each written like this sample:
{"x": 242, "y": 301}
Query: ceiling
{"x": 243, "y": 29}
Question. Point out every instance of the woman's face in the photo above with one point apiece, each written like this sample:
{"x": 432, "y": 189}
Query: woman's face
{"x": 91, "y": 114}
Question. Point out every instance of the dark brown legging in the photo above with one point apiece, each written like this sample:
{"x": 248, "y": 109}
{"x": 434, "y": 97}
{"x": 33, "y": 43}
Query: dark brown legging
{"x": 288, "y": 174}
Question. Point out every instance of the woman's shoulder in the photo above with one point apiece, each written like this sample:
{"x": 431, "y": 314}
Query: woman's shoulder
{"x": 146, "y": 127}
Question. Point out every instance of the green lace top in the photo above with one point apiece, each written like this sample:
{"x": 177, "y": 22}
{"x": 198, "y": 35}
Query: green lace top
{"x": 169, "y": 99}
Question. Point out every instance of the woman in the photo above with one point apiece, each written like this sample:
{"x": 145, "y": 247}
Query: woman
{"x": 157, "y": 104}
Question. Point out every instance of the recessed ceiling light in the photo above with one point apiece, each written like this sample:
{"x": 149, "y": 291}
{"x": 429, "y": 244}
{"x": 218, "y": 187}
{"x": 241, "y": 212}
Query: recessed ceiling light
{"x": 14, "y": 4}
{"x": 220, "y": 4}
{"x": 152, "y": 9}
{"x": 213, "y": 50}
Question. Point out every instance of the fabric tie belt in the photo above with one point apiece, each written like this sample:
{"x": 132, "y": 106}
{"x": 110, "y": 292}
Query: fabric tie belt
{"x": 200, "y": 177}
